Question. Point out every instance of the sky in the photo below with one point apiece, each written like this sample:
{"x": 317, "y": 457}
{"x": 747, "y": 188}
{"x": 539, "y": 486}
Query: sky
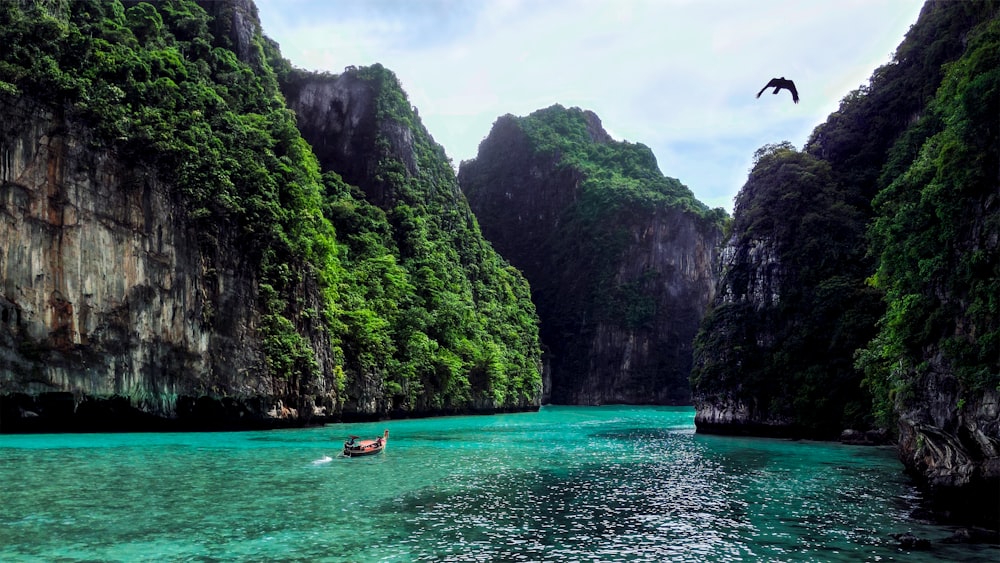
{"x": 679, "y": 76}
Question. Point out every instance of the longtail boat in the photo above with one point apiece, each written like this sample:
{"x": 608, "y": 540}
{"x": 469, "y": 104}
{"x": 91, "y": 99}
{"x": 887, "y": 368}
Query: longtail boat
{"x": 356, "y": 448}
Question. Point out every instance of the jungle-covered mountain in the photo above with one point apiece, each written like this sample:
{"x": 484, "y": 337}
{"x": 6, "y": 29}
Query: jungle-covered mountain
{"x": 860, "y": 285}
{"x": 620, "y": 258}
{"x": 172, "y": 249}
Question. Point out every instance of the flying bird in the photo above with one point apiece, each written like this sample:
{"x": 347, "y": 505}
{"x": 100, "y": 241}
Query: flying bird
{"x": 778, "y": 84}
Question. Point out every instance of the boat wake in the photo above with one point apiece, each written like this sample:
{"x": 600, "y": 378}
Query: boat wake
{"x": 322, "y": 460}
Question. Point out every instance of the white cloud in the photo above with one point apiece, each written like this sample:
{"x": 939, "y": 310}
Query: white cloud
{"x": 677, "y": 75}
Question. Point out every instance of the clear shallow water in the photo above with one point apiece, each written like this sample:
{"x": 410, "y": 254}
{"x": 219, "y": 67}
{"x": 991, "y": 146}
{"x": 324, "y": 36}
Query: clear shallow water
{"x": 563, "y": 484}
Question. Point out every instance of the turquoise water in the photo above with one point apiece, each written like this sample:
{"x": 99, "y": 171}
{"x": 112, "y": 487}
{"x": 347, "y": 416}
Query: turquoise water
{"x": 563, "y": 484}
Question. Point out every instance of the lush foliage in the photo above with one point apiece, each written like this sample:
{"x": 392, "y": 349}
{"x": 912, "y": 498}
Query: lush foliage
{"x": 618, "y": 181}
{"x": 466, "y": 329}
{"x": 603, "y": 235}
{"x": 856, "y": 138}
{"x": 154, "y": 86}
{"x": 885, "y": 231}
{"x": 936, "y": 236}
{"x": 794, "y": 353}
{"x": 161, "y": 85}
{"x": 615, "y": 174}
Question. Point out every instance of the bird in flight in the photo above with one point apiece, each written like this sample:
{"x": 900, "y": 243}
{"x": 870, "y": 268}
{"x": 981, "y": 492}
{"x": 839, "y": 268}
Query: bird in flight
{"x": 778, "y": 84}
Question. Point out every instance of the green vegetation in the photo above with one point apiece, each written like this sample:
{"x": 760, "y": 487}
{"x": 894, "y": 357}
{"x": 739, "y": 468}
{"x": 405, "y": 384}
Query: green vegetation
{"x": 615, "y": 174}
{"x": 795, "y": 352}
{"x": 935, "y": 233}
{"x": 154, "y": 87}
{"x": 617, "y": 182}
{"x": 885, "y": 234}
{"x": 410, "y": 294}
{"x": 591, "y": 221}
{"x": 461, "y": 320}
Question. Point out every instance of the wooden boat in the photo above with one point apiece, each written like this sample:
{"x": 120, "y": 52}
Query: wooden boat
{"x": 356, "y": 448}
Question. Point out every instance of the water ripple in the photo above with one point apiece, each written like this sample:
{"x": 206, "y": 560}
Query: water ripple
{"x": 565, "y": 484}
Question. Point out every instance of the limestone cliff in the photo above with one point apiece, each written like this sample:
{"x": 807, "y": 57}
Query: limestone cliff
{"x": 936, "y": 359}
{"x": 773, "y": 356}
{"x": 750, "y": 282}
{"x": 362, "y": 128}
{"x": 127, "y": 302}
{"x": 106, "y": 292}
{"x": 953, "y": 451}
{"x": 339, "y": 117}
{"x": 859, "y": 284}
{"x": 621, "y": 279}
{"x": 172, "y": 256}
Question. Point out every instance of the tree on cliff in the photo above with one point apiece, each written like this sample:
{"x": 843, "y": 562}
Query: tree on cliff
{"x": 405, "y": 307}
{"x": 618, "y": 255}
{"x": 790, "y": 310}
{"x": 867, "y": 146}
{"x": 466, "y": 331}
{"x": 936, "y": 234}
{"x": 912, "y": 161}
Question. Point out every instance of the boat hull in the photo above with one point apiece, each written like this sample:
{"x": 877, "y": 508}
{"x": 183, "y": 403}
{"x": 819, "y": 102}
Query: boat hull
{"x": 354, "y": 452}
{"x": 354, "y": 448}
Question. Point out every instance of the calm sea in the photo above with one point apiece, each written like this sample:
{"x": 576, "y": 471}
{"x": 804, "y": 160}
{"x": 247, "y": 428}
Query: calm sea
{"x": 563, "y": 484}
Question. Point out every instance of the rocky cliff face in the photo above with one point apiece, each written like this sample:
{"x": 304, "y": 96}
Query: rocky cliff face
{"x": 119, "y": 310}
{"x": 620, "y": 292}
{"x": 955, "y": 452}
{"x": 751, "y": 282}
{"x": 168, "y": 252}
{"x": 337, "y": 115}
{"x": 362, "y": 128}
{"x": 668, "y": 260}
{"x": 948, "y": 425}
{"x": 860, "y": 265}
{"x": 107, "y": 294}
{"x": 946, "y": 375}
{"x": 774, "y": 354}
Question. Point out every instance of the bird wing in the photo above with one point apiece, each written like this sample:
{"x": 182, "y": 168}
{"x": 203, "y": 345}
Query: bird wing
{"x": 772, "y": 82}
{"x": 795, "y": 93}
